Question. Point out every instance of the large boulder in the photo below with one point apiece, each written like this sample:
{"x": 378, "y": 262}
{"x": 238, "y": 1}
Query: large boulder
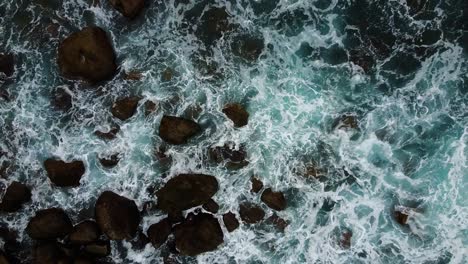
{"x": 15, "y": 196}
{"x": 237, "y": 114}
{"x": 124, "y": 108}
{"x": 49, "y": 224}
{"x": 186, "y": 191}
{"x": 87, "y": 54}
{"x": 128, "y": 8}
{"x": 7, "y": 64}
{"x": 64, "y": 174}
{"x": 198, "y": 234}
{"x": 177, "y": 130}
{"x": 251, "y": 213}
{"x": 117, "y": 216}
{"x": 159, "y": 232}
{"x": 84, "y": 233}
{"x": 233, "y": 158}
{"x": 274, "y": 200}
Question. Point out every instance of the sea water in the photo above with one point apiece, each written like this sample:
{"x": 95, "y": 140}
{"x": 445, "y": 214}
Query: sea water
{"x": 410, "y": 147}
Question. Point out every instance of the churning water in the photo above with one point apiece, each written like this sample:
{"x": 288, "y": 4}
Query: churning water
{"x": 398, "y": 67}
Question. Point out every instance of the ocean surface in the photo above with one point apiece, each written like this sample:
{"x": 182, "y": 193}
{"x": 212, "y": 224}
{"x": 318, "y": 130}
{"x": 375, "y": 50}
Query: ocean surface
{"x": 398, "y": 68}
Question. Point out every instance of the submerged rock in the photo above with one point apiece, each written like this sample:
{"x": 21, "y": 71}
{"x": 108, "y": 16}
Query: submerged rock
{"x": 62, "y": 99}
{"x": 15, "y": 196}
{"x": 64, "y": 174}
{"x": 251, "y": 213}
{"x": 49, "y": 224}
{"x": 257, "y": 185}
{"x": 211, "y": 206}
{"x": 128, "y": 8}
{"x": 230, "y": 221}
{"x": 345, "y": 240}
{"x": 111, "y": 134}
{"x": 277, "y": 222}
{"x": 274, "y": 200}
{"x": 214, "y": 24}
{"x": 87, "y": 54}
{"x": 177, "y": 130}
{"x": 400, "y": 217}
{"x": 158, "y": 233}
{"x": 237, "y": 114}
{"x": 98, "y": 249}
{"x": 124, "y": 108}
{"x": 117, "y": 216}
{"x": 248, "y": 47}
{"x": 234, "y": 158}
{"x": 133, "y": 76}
{"x": 7, "y": 64}
{"x": 198, "y": 234}
{"x": 346, "y": 121}
{"x": 84, "y": 233}
{"x": 185, "y": 191}
{"x": 110, "y": 162}
{"x": 150, "y": 107}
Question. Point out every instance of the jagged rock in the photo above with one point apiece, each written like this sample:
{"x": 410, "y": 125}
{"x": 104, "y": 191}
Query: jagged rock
{"x": 111, "y": 134}
{"x": 49, "y": 224}
{"x": 257, "y": 185}
{"x": 346, "y": 122}
{"x": 234, "y": 158}
{"x": 87, "y": 54}
{"x": 62, "y": 100}
{"x": 64, "y": 174}
{"x": 84, "y": 233}
{"x": 140, "y": 241}
{"x": 185, "y": 191}
{"x": 198, "y": 234}
{"x": 124, "y": 108}
{"x": 401, "y": 217}
{"x": 214, "y": 24}
{"x": 128, "y": 8}
{"x": 251, "y": 213}
{"x": 211, "y": 206}
{"x": 150, "y": 107}
{"x": 7, "y": 64}
{"x": 274, "y": 200}
{"x": 230, "y": 221}
{"x": 118, "y": 217}
{"x": 133, "y": 76}
{"x": 159, "y": 232}
{"x": 279, "y": 223}
{"x": 177, "y": 130}
{"x": 98, "y": 248}
{"x": 110, "y": 162}
{"x": 237, "y": 114}
{"x": 15, "y": 196}
{"x": 248, "y": 47}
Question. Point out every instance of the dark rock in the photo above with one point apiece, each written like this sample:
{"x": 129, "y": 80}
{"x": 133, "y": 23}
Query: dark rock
{"x": 111, "y": 134}
{"x": 198, "y": 234}
{"x": 214, "y": 24}
{"x": 140, "y": 241}
{"x": 248, "y": 47}
{"x": 133, "y": 76}
{"x": 128, "y": 8}
{"x": 211, "y": 206}
{"x": 87, "y": 54}
{"x": 230, "y": 221}
{"x": 274, "y": 200}
{"x": 400, "y": 217}
{"x": 124, "y": 108}
{"x": 257, "y": 185}
{"x": 185, "y": 191}
{"x": 235, "y": 159}
{"x": 7, "y": 64}
{"x": 363, "y": 59}
{"x": 167, "y": 75}
{"x": 82, "y": 260}
{"x": 345, "y": 240}
{"x": 3, "y": 258}
{"x": 159, "y": 232}
{"x": 48, "y": 224}
{"x": 346, "y": 121}
{"x": 110, "y": 162}
{"x": 98, "y": 249}
{"x": 251, "y": 213}
{"x": 177, "y": 130}
{"x": 64, "y": 174}
{"x": 237, "y": 114}
{"x": 279, "y": 223}
{"x": 150, "y": 107}
{"x": 117, "y": 216}
{"x": 48, "y": 253}
{"x": 62, "y": 99}
{"x": 15, "y": 196}
{"x": 175, "y": 217}
{"x": 84, "y": 233}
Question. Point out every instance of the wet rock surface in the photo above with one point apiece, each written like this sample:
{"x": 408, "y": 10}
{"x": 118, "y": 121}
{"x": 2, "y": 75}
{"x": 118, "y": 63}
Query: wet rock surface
{"x": 257, "y": 185}
{"x": 124, "y": 108}
{"x": 274, "y": 200}
{"x": 177, "y": 130}
{"x": 87, "y": 54}
{"x": 158, "y": 233}
{"x": 117, "y": 216}
{"x": 109, "y": 135}
{"x": 7, "y": 64}
{"x": 64, "y": 174}
{"x": 84, "y": 233}
{"x": 237, "y": 114}
{"x": 100, "y": 248}
{"x": 230, "y": 221}
{"x": 277, "y": 222}
{"x": 62, "y": 99}
{"x": 211, "y": 206}
{"x": 250, "y": 213}
{"x": 15, "y": 196}
{"x": 233, "y": 158}
{"x": 214, "y": 23}
{"x": 110, "y": 161}
{"x": 49, "y": 224}
{"x": 128, "y": 8}
{"x": 248, "y": 47}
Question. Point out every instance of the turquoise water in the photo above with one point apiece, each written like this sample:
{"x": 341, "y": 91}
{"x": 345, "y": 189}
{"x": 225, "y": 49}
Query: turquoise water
{"x": 410, "y": 147}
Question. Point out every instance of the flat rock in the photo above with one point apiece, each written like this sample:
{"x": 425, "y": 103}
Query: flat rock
{"x": 64, "y": 174}
{"x": 233, "y": 158}
{"x": 230, "y": 221}
{"x": 274, "y": 200}
{"x": 251, "y": 213}
{"x": 84, "y": 233}
{"x": 158, "y": 233}
{"x": 185, "y": 191}
{"x": 128, "y": 8}
{"x": 7, "y": 64}
{"x": 87, "y": 54}
{"x": 49, "y": 224}
{"x": 237, "y": 113}
{"x": 198, "y": 234}
{"x": 177, "y": 130}
{"x": 15, "y": 196}
{"x": 118, "y": 217}
{"x": 124, "y": 108}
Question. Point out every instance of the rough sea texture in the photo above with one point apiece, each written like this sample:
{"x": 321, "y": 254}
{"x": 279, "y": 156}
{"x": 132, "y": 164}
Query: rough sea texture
{"x": 400, "y": 68}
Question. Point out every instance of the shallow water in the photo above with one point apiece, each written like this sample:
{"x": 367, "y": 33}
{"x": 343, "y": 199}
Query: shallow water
{"x": 410, "y": 147}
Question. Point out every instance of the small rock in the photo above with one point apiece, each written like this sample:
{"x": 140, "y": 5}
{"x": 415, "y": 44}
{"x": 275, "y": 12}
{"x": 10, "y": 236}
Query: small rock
{"x": 237, "y": 114}
{"x": 49, "y": 224}
{"x": 7, "y": 64}
{"x": 125, "y": 108}
{"x": 197, "y": 189}
{"x": 98, "y": 249}
{"x": 248, "y": 47}
{"x": 257, "y": 185}
{"x": 133, "y": 76}
{"x": 214, "y": 24}
{"x": 110, "y": 162}
{"x": 159, "y": 232}
{"x": 251, "y": 213}
{"x": 177, "y": 130}
{"x": 346, "y": 122}
{"x": 128, "y": 8}
{"x": 117, "y": 216}
{"x": 140, "y": 241}
{"x": 167, "y": 75}
{"x": 87, "y": 54}
{"x": 211, "y": 206}
{"x": 15, "y": 196}
{"x": 111, "y": 134}
{"x": 401, "y": 217}
{"x": 230, "y": 221}
{"x": 198, "y": 234}
{"x": 150, "y": 107}
{"x": 84, "y": 233}
{"x": 62, "y": 100}
{"x": 345, "y": 241}
{"x": 279, "y": 223}
{"x": 64, "y": 174}
{"x": 274, "y": 200}
{"x": 235, "y": 158}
